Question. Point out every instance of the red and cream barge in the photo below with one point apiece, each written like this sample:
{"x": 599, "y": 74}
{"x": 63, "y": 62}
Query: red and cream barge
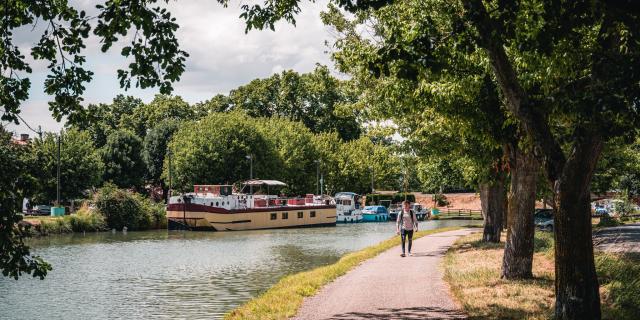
{"x": 218, "y": 208}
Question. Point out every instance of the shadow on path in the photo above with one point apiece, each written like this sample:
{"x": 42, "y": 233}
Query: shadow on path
{"x": 403, "y": 313}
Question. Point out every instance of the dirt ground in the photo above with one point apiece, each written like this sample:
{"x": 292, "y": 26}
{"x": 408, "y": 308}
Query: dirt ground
{"x": 468, "y": 201}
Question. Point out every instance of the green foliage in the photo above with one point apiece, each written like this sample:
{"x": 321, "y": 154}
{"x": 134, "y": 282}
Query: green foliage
{"x": 161, "y": 108}
{"x": 81, "y": 166}
{"x": 440, "y": 175}
{"x": 292, "y": 143}
{"x": 316, "y": 99}
{"x": 155, "y": 148}
{"x": 122, "y": 157}
{"x": 440, "y": 199}
{"x": 623, "y": 207}
{"x": 156, "y": 59}
{"x": 214, "y": 150}
{"x": 84, "y": 220}
{"x": 619, "y": 168}
{"x": 15, "y": 256}
{"x": 620, "y": 276}
{"x": 122, "y": 208}
{"x": 102, "y": 119}
{"x": 607, "y": 221}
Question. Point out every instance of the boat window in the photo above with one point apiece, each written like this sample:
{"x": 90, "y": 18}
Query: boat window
{"x": 346, "y": 202}
{"x": 285, "y": 215}
{"x": 300, "y": 214}
{"x": 216, "y": 203}
{"x": 274, "y": 216}
{"x": 313, "y": 214}
{"x": 212, "y": 204}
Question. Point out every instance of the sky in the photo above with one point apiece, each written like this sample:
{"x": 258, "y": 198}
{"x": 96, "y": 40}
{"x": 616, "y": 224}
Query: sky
{"x": 222, "y": 56}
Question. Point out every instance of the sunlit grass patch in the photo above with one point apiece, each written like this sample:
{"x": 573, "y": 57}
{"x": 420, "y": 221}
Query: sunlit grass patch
{"x": 472, "y": 269}
{"x": 285, "y": 298}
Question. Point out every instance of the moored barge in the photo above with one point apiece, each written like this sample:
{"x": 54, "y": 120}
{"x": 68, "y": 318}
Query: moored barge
{"x": 218, "y": 208}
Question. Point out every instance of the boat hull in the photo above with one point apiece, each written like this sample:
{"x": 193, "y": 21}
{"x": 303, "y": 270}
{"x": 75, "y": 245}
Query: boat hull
{"x": 349, "y": 219}
{"x": 375, "y": 217}
{"x": 206, "y": 218}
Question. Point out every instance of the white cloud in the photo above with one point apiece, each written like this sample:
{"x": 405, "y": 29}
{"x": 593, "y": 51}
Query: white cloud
{"x": 222, "y": 56}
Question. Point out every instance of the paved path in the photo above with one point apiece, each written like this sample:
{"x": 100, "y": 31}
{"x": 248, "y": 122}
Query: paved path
{"x": 624, "y": 238}
{"x": 377, "y": 289}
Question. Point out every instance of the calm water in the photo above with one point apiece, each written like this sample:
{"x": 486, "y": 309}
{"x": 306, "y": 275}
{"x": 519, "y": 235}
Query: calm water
{"x": 176, "y": 275}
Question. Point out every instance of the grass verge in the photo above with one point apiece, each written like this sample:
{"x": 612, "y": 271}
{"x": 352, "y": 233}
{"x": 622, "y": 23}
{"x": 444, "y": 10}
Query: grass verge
{"x": 472, "y": 269}
{"x": 81, "y": 221}
{"x": 284, "y": 299}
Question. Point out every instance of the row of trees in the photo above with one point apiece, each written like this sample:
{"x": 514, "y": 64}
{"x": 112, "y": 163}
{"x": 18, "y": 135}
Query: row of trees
{"x": 126, "y": 143}
{"x": 517, "y": 88}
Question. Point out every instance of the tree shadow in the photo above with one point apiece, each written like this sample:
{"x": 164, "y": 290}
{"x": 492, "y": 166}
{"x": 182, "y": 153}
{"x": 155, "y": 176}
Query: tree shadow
{"x": 494, "y": 311}
{"x": 404, "y": 313}
{"x": 439, "y": 252}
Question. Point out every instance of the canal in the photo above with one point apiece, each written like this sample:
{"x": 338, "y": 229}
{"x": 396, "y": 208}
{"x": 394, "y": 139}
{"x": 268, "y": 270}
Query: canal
{"x": 175, "y": 275}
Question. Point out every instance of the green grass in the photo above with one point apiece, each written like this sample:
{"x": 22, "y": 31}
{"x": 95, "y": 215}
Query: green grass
{"x": 81, "y": 221}
{"x": 472, "y": 268}
{"x": 285, "y": 298}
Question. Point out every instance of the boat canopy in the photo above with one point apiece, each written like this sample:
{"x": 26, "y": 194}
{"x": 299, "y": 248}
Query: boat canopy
{"x": 270, "y": 183}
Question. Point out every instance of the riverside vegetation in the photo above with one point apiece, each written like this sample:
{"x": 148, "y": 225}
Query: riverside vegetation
{"x": 283, "y": 300}
{"x": 114, "y": 209}
{"x": 472, "y": 268}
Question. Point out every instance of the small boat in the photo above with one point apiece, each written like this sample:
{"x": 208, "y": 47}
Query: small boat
{"x": 218, "y": 208}
{"x": 375, "y": 214}
{"x": 421, "y": 213}
{"x": 348, "y": 207}
{"x": 394, "y": 210}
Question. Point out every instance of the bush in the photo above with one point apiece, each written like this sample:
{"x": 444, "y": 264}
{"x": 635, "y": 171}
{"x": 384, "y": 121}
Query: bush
{"x": 81, "y": 221}
{"x": 55, "y": 226}
{"x": 122, "y": 208}
{"x": 86, "y": 220}
{"x": 441, "y": 199}
{"x": 157, "y": 214}
{"x": 607, "y": 221}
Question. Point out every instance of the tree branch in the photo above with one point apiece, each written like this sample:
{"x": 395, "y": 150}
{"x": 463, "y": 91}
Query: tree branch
{"x": 518, "y": 102}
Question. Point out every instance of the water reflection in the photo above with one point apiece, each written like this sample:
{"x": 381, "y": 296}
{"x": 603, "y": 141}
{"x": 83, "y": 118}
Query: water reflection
{"x": 177, "y": 275}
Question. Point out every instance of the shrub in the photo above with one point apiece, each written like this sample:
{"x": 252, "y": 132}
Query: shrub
{"x": 86, "y": 220}
{"x": 607, "y": 221}
{"x": 441, "y": 199}
{"x": 54, "y": 226}
{"x": 122, "y": 208}
{"x": 156, "y": 213}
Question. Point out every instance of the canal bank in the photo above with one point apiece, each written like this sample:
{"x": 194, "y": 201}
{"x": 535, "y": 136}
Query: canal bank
{"x": 373, "y": 282}
{"x": 160, "y": 274}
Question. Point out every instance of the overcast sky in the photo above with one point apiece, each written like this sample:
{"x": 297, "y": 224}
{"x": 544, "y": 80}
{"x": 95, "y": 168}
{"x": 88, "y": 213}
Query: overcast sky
{"x": 222, "y": 56}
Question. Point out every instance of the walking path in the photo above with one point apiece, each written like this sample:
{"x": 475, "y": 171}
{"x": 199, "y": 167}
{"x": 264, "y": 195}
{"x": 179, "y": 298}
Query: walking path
{"x": 625, "y": 238}
{"x": 391, "y": 287}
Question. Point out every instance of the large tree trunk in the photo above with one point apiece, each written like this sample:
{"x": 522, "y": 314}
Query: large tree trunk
{"x": 576, "y": 284}
{"x": 577, "y": 290}
{"x": 492, "y": 199}
{"x": 518, "y": 252}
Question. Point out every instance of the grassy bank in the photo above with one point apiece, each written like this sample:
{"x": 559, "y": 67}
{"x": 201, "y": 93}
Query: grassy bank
{"x": 283, "y": 299}
{"x": 83, "y": 220}
{"x": 472, "y": 268}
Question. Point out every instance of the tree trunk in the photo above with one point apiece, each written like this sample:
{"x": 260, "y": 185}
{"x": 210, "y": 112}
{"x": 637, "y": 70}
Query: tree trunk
{"x": 492, "y": 200}
{"x": 577, "y": 289}
{"x": 518, "y": 252}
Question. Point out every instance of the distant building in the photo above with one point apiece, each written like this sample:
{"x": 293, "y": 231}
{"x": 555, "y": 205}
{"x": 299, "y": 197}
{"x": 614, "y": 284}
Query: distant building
{"x": 23, "y": 140}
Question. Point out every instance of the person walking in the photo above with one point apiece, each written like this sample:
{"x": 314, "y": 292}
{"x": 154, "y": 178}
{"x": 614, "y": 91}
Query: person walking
{"x": 406, "y": 223}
